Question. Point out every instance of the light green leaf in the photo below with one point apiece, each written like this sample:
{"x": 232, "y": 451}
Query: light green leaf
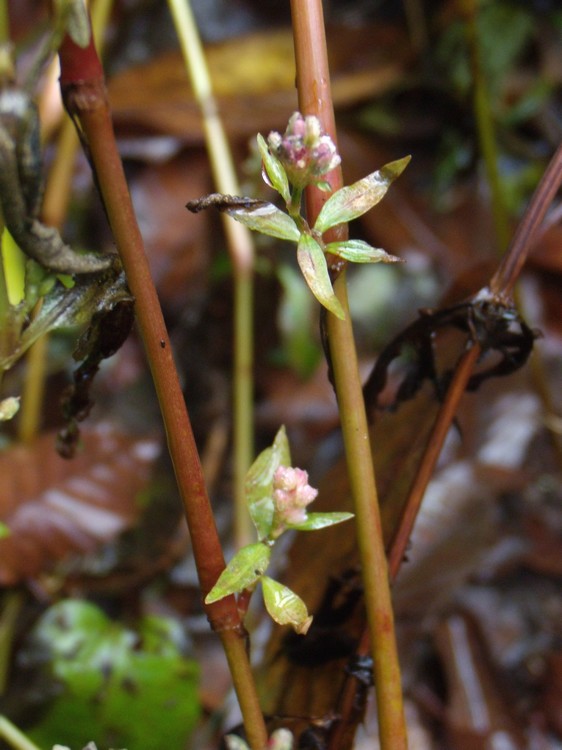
{"x": 259, "y": 482}
{"x": 316, "y": 521}
{"x": 274, "y": 170}
{"x": 4, "y": 531}
{"x": 284, "y": 606}
{"x": 267, "y": 219}
{"x": 245, "y": 568}
{"x": 358, "y": 251}
{"x": 350, "y": 202}
{"x": 312, "y": 262}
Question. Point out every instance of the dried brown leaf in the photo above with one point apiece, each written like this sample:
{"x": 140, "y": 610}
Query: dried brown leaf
{"x": 55, "y": 507}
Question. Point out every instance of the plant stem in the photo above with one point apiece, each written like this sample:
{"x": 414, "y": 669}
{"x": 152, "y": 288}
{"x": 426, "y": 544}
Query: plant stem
{"x": 241, "y": 249}
{"x": 84, "y": 94}
{"x": 485, "y": 125}
{"x": 315, "y": 99}
{"x": 14, "y": 736}
{"x": 53, "y": 213}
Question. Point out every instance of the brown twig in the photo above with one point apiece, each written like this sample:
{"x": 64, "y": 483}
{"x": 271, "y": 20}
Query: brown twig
{"x": 84, "y": 94}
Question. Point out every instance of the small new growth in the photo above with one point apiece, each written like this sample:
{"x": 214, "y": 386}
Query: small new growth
{"x": 302, "y": 156}
{"x": 278, "y": 496}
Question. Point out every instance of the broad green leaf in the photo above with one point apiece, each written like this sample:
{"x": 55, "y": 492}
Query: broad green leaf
{"x": 358, "y": 251}
{"x": 312, "y": 262}
{"x": 354, "y": 200}
{"x": 274, "y": 170}
{"x": 4, "y": 531}
{"x": 259, "y": 482}
{"x": 267, "y": 219}
{"x": 245, "y": 568}
{"x": 111, "y": 685}
{"x": 284, "y": 606}
{"x": 316, "y": 521}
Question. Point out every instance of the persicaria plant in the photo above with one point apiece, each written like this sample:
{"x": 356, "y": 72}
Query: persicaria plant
{"x": 277, "y": 496}
{"x": 302, "y": 156}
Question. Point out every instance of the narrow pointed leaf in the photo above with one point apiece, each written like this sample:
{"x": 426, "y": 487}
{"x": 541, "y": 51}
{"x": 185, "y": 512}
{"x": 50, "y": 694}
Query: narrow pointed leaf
{"x": 274, "y": 170}
{"x": 245, "y": 568}
{"x": 355, "y": 200}
{"x": 259, "y": 482}
{"x": 316, "y": 521}
{"x": 312, "y": 262}
{"x": 284, "y": 606}
{"x": 358, "y": 251}
{"x": 267, "y": 219}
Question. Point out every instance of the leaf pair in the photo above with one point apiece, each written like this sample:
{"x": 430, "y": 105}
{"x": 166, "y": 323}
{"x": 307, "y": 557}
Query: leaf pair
{"x": 248, "y": 566}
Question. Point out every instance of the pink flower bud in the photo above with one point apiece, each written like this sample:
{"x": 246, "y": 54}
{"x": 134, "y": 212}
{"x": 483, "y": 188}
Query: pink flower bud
{"x": 305, "y": 153}
{"x": 291, "y": 495}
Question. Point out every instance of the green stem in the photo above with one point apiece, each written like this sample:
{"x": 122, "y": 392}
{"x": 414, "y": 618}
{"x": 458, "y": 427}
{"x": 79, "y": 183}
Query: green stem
{"x": 485, "y": 126}
{"x": 84, "y": 94}
{"x": 241, "y": 249}
{"x": 14, "y": 736}
{"x": 313, "y": 84}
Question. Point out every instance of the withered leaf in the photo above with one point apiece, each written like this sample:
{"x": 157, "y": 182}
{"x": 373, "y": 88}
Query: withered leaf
{"x": 53, "y": 508}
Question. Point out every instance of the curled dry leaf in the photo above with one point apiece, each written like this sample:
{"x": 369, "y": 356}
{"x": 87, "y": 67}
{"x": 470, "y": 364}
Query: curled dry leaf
{"x": 53, "y": 507}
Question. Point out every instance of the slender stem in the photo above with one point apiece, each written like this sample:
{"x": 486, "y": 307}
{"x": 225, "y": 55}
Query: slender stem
{"x": 84, "y": 94}
{"x": 510, "y": 267}
{"x": 241, "y": 248}
{"x": 14, "y": 736}
{"x": 313, "y": 83}
{"x": 485, "y": 125}
{"x": 430, "y": 456}
{"x": 53, "y": 213}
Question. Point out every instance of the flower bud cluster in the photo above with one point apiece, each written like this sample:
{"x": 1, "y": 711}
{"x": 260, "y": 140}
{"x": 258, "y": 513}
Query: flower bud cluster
{"x": 291, "y": 495}
{"x": 303, "y": 150}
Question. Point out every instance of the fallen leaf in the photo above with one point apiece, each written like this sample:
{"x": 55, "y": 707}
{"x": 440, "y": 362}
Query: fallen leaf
{"x": 54, "y": 507}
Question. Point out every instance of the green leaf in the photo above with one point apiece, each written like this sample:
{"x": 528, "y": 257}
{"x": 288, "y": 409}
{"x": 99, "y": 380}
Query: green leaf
{"x": 111, "y": 684}
{"x": 355, "y": 200}
{"x": 358, "y": 251}
{"x": 259, "y": 482}
{"x": 267, "y": 219}
{"x": 316, "y": 521}
{"x": 245, "y": 568}
{"x": 274, "y": 170}
{"x": 284, "y": 606}
{"x": 312, "y": 262}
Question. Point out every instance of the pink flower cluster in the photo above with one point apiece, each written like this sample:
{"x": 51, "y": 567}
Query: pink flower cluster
{"x": 305, "y": 153}
{"x": 291, "y": 495}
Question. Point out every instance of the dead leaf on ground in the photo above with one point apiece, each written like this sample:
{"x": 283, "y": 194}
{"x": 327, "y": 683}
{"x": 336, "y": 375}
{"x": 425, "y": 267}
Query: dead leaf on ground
{"x": 54, "y": 507}
{"x": 254, "y": 81}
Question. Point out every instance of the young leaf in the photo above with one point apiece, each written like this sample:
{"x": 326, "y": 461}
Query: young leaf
{"x": 316, "y": 521}
{"x": 358, "y": 251}
{"x": 274, "y": 170}
{"x": 267, "y": 219}
{"x": 284, "y": 606}
{"x": 355, "y": 200}
{"x": 259, "y": 482}
{"x": 312, "y": 263}
{"x": 245, "y": 568}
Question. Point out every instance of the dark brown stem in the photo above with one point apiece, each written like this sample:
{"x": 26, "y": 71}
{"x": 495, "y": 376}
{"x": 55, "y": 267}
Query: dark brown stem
{"x": 83, "y": 89}
{"x": 509, "y": 269}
